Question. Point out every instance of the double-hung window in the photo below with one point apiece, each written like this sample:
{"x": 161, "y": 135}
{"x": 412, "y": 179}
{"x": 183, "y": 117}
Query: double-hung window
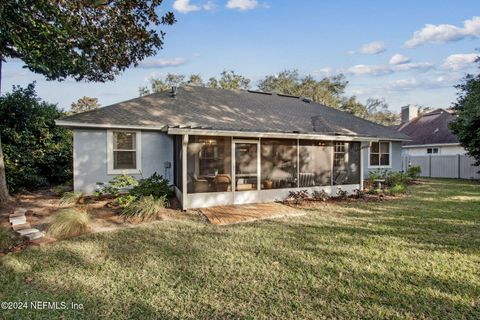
{"x": 380, "y": 154}
{"x": 124, "y": 154}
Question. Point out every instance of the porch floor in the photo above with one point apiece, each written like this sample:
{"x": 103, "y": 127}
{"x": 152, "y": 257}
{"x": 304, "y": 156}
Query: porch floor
{"x": 223, "y": 215}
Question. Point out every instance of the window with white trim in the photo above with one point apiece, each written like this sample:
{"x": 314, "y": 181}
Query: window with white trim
{"x": 432, "y": 150}
{"x": 124, "y": 151}
{"x": 380, "y": 154}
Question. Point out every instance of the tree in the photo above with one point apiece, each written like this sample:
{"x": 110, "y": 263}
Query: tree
{"x": 212, "y": 83}
{"x": 466, "y": 125}
{"x": 231, "y": 80}
{"x": 37, "y": 152}
{"x": 378, "y": 111}
{"x": 84, "y": 104}
{"x": 327, "y": 91}
{"x": 84, "y": 40}
{"x": 195, "y": 80}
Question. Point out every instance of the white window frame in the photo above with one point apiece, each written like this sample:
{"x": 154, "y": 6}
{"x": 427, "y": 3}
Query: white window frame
{"x": 389, "y": 152}
{"x": 433, "y": 149}
{"x": 138, "y": 153}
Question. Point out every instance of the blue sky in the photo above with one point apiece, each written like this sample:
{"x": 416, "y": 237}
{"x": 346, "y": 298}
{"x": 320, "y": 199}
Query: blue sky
{"x": 404, "y": 51}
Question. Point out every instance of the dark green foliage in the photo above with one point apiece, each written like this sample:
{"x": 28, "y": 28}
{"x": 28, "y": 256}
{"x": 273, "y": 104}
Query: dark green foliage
{"x": 321, "y": 195}
{"x": 118, "y": 184}
{"x": 342, "y": 194}
{"x": 155, "y": 186}
{"x": 8, "y": 239}
{"x": 396, "y": 178}
{"x": 467, "y": 110}
{"x": 36, "y": 151}
{"x": 86, "y": 40}
{"x": 413, "y": 172}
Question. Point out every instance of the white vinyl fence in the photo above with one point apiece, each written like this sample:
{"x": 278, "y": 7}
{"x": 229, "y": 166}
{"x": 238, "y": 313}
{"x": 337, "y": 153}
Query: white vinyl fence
{"x": 451, "y": 166}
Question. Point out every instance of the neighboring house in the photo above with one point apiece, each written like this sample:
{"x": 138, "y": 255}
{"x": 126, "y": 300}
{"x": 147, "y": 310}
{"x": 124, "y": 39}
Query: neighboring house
{"x": 433, "y": 146}
{"x": 222, "y": 147}
{"x": 429, "y": 133}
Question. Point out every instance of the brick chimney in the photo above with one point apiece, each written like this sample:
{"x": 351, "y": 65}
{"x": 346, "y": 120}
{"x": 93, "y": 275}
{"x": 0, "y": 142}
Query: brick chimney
{"x": 408, "y": 113}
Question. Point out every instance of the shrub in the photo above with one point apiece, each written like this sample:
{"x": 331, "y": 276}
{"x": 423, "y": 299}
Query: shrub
{"x": 68, "y": 223}
{"x": 359, "y": 194}
{"x": 70, "y": 198}
{"x": 342, "y": 194}
{"x": 413, "y": 172}
{"x": 321, "y": 195}
{"x": 145, "y": 207}
{"x": 155, "y": 186}
{"x": 125, "y": 200}
{"x": 36, "y": 151}
{"x": 298, "y": 196}
{"x": 398, "y": 189}
{"x": 115, "y": 186}
{"x": 8, "y": 239}
{"x": 394, "y": 178}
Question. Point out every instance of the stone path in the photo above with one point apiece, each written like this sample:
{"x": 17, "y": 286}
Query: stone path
{"x": 18, "y": 221}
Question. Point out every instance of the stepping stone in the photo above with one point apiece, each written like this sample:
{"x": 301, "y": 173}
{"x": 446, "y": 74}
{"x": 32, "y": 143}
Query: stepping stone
{"x": 18, "y": 212}
{"x": 17, "y": 220}
{"x": 24, "y": 232}
{"x": 21, "y": 226}
{"x": 42, "y": 241}
{"x": 35, "y": 236}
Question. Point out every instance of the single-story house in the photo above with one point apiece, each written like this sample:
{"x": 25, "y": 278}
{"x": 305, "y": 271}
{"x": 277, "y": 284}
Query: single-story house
{"x": 221, "y": 147}
{"x": 429, "y": 133}
{"x": 433, "y": 146}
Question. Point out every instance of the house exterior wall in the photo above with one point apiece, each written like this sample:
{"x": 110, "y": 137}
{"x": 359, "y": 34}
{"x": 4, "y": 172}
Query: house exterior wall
{"x": 90, "y": 157}
{"x": 395, "y": 158}
{"x": 442, "y": 150}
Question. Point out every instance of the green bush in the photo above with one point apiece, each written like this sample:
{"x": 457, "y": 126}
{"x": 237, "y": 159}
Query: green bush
{"x": 68, "y": 223}
{"x": 414, "y": 172}
{"x": 155, "y": 186}
{"x": 115, "y": 186}
{"x": 36, "y": 151}
{"x": 377, "y": 174}
{"x": 342, "y": 194}
{"x": 398, "y": 189}
{"x": 396, "y": 178}
{"x": 8, "y": 239}
{"x": 125, "y": 200}
{"x": 321, "y": 195}
{"x": 145, "y": 207}
{"x": 70, "y": 198}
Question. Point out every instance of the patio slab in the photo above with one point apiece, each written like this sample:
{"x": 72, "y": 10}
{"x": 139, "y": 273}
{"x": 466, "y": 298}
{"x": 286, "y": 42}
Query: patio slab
{"x": 224, "y": 215}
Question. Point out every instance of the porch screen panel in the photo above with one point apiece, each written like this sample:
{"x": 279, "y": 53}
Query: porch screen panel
{"x": 209, "y": 166}
{"x": 177, "y": 162}
{"x": 315, "y": 163}
{"x": 278, "y": 163}
{"x": 346, "y": 163}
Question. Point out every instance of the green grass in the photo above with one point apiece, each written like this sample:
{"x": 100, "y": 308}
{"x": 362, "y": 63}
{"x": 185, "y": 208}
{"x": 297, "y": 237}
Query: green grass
{"x": 413, "y": 258}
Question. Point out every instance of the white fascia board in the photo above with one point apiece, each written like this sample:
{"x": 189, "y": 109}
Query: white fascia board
{"x": 70, "y": 124}
{"x": 430, "y": 145}
{"x": 249, "y": 134}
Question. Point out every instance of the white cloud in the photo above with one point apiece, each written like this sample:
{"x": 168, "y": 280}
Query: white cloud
{"x": 209, "y": 6}
{"x": 372, "y": 48}
{"x": 459, "y": 61}
{"x": 184, "y": 6}
{"x": 161, "y": 63}
{"x": 398, "y": 59}
{"x": 363, "y": 69}
{"x": 242, "y": 4}
{"x": 419, "y": 66}
{"x": 443, "y": 33}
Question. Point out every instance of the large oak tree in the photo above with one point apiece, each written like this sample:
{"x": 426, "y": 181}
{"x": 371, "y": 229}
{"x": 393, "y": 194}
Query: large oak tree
{"x": 91, "y": 40}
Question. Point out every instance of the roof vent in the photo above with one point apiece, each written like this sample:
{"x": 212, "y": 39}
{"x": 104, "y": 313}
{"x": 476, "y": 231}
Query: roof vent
{"x": 306, "y": 100}
{"x": 174, "y": 91}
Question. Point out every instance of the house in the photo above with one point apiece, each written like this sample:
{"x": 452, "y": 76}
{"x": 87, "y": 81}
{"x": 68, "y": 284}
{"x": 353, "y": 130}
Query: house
{"x": 429, "y": 133}
{"x": 221, "y": 147}
{"x": 433, "y": 146}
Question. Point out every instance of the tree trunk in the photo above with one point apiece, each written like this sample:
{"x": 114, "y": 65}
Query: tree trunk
{"x": 4, "y": 196}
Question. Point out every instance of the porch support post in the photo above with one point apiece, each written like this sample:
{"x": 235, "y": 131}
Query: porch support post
{"x": 184, "y": 172}
{"x": 298, "y": 163}
{"x": 361, "y": 164}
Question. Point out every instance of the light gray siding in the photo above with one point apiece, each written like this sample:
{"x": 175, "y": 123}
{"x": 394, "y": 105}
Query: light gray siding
{"x": 90, "y": 157}
{"x": 395, "y": 158}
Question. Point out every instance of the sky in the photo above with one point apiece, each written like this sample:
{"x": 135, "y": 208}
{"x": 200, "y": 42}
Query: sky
{"x": 405, "y": 51}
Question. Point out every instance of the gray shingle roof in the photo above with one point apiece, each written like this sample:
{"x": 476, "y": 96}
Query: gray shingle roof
{"x": 241, "y": 110}
{"x": 429, "y": 128}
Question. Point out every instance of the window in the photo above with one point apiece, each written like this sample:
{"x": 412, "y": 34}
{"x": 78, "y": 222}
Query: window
{"x": 432, "y": 150}
{"x": 380, "y": 154}
{"x": 123, "y": 152}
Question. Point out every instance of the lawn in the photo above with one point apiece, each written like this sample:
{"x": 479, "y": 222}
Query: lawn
{"x": 414, "y": 258}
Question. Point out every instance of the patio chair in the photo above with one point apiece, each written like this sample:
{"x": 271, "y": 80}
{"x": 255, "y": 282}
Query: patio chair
{"x": 199, "y": 185}
{"x": 222, "y": 182}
